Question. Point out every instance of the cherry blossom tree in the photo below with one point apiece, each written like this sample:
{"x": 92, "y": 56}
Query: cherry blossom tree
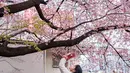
{"x": 97, "y": 29}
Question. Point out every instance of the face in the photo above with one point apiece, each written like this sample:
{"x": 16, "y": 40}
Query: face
{"x": 72, "y": 69}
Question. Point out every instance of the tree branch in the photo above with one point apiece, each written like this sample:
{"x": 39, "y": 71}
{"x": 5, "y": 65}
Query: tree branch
{"x": 17, "y": 51}
{"x": 18, "y": 7}
{"x": 7, "y": 39}
{"x": 115, "y": 50}
{"x": 72, "y": 28}
{"x": 46, "y": 20}
{"x": 25, "y": 5}
{"x": 82, "y": 52}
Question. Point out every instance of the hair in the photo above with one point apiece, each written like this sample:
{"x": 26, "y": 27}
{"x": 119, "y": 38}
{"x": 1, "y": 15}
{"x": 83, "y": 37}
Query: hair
{"x": 78, "y": 69}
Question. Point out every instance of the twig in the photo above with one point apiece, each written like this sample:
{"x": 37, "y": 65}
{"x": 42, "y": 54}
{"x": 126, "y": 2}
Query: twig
{"x": 82, "y": 52}
{"x": 115, "y": 50}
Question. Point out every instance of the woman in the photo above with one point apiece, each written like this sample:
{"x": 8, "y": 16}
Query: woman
{"x": 63, "y": 69}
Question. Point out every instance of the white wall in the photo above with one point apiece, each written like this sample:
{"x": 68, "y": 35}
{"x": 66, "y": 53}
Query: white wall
{"x": 31, "y": 63}
{"x": 49, "y": 68}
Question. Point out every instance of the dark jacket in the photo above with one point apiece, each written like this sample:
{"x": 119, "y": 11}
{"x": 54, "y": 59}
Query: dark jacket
{"x": 78, "y": 69}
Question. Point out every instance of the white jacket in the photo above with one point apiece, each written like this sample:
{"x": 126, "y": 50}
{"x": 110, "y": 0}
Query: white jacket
{"x": 62, "y": 67}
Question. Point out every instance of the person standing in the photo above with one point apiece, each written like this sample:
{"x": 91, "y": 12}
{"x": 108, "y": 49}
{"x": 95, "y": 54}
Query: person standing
{"x": 64, "y": 69}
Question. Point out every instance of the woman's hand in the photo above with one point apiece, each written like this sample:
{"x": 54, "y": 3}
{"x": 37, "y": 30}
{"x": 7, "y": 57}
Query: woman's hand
{"x": 69, "y": 55}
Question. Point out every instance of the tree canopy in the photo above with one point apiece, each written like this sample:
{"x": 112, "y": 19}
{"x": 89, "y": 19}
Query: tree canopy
{"x": 87, "y": 27}
{"x": 65, "y": 23}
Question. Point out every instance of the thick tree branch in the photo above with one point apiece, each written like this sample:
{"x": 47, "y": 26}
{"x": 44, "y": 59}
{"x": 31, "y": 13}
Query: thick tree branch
{"x": 46, "y": 20}
{"x": 11, "y": 52}
{"x": 25, "y": 5}
{"x": 18, "y": 7}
